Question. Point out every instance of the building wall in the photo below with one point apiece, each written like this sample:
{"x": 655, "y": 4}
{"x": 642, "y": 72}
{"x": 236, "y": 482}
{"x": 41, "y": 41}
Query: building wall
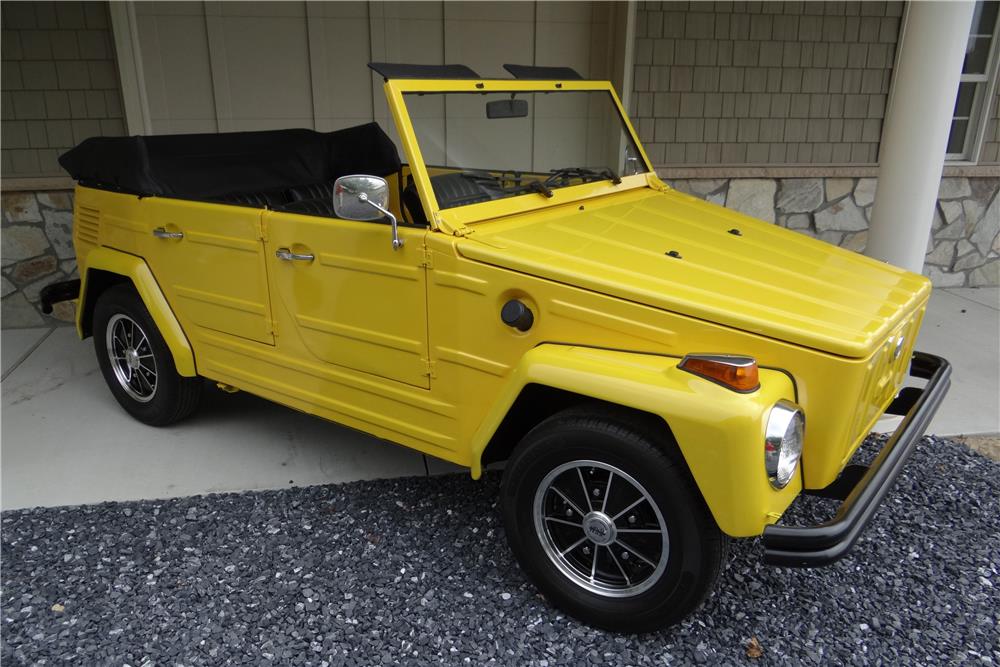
{"x": 763, "y": 82}
{"x": 37, "y": 250}
{"x": 231, "y": 66}
{"x": 59, "y": 83}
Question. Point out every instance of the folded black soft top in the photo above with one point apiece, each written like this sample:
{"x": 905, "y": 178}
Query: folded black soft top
{"x": 206, "y": 166}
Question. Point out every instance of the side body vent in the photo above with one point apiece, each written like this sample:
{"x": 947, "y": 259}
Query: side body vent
{"x": 87, "y": 226}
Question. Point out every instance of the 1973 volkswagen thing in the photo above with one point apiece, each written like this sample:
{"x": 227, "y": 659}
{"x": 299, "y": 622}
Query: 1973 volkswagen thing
{"x": 659, "y": 373}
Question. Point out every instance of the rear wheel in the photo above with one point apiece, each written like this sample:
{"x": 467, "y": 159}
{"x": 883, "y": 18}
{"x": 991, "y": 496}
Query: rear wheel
{"x": 607, "y": 524}
{"x": 136, "y": 362}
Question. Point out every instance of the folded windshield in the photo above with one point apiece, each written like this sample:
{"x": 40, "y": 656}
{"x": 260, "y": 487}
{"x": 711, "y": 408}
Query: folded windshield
{"x": 484, "y": 146}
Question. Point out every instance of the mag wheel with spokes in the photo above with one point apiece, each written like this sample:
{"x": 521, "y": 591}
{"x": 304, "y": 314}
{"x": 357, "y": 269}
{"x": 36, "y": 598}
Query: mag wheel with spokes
{"x": 605, "y": 519}
{"x": 136, "y": 362}
{"x": 132, "y": 358}
{"x": 610, "y": 547}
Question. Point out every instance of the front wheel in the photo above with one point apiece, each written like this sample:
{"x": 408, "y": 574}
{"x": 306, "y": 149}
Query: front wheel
{"x": 608, "y": 525}
{"x": 136, "y": 362}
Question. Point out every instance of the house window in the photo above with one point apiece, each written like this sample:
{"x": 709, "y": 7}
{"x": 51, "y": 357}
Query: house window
{"x": 979, "y": 72}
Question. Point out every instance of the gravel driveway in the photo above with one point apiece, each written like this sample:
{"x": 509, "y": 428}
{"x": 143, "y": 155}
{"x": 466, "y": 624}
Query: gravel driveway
{"x": 417, "y": 570}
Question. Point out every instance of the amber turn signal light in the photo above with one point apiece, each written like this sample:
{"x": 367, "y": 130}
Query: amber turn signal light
{"x": 731, "y": 371}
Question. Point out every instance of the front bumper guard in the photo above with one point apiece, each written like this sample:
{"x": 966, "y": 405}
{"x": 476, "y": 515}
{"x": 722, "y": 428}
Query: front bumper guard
{"x": 862, "y": 488}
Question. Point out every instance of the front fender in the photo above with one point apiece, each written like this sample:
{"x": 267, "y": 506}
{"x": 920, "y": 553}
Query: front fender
{"x": 136, "y": 270}
{"x": 720, "y": 432}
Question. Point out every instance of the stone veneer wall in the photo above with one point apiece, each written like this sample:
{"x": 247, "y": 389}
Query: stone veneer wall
{"x": 37, "y": 250}
{"x": 964, "y": 251}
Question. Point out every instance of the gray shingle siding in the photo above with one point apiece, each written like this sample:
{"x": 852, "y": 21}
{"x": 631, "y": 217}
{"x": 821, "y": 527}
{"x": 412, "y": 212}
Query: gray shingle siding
{"x": 990, "y": 153}
{"x": 785, "y": 83}
{"x": 59, "y": 83}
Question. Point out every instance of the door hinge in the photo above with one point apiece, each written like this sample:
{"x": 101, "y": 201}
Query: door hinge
{"x": 261, "y": 229}
{"x": 428, "y": 259}
{"x": 429, "y": 368}
{"x": 272, "y": 325}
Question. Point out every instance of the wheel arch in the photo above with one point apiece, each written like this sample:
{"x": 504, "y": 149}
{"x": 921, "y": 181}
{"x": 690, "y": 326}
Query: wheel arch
{"x": 537, "y": 402}
{"x": 718, "y": 433}
{"x": 105, "y": 268}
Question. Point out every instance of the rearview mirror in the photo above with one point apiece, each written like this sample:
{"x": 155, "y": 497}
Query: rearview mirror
{"x": 507, "y": 109}
{"x": 349, "y": 206}
{"x": 363, "y": 197}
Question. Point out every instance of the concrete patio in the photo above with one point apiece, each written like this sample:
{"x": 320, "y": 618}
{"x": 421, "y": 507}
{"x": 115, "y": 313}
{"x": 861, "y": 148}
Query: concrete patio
{"x": 65, "y": 441}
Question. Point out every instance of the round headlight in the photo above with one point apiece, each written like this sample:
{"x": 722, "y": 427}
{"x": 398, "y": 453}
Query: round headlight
{"x": 783, "y": 442}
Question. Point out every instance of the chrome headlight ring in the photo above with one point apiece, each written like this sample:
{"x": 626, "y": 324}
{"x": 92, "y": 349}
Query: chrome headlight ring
{"x": 783, "y": 438}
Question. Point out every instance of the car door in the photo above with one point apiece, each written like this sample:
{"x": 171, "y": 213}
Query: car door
{"x": 351, "y": 300}
{"x": 209, "y": 261}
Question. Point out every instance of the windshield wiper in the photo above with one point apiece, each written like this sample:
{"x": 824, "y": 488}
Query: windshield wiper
{"x": 583, "y": 173}
{"x": 541, "y": 188}
{"x": 491, "y": 182}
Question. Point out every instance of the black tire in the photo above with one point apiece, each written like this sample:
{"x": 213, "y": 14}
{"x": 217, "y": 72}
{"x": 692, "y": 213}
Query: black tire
{"x": 171, "y": 397}
{"x": 644, "y": 451}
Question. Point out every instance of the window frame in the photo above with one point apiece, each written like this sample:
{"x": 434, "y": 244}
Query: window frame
{"x": 453, "y": 220}
{"x": 979, "y": 115}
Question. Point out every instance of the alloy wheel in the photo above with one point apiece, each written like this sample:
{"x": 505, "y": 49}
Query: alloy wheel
{"x": 601, "y": 528}
{"x": 131, "y": 357}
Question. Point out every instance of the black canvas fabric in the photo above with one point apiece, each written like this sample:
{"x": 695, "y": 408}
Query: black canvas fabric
{"x": 363, "y": 149}
{"x": 111, "y": 163}
{"x": 217, "y": 166}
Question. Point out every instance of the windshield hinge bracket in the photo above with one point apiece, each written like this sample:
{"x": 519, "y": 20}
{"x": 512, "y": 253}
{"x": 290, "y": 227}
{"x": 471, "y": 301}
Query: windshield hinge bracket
{"x": 459, "y": 230}
{"x": 653, "y": 181}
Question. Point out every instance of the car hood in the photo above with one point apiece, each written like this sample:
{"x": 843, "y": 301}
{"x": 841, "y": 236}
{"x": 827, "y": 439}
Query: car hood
{"x": 729, "y": 268}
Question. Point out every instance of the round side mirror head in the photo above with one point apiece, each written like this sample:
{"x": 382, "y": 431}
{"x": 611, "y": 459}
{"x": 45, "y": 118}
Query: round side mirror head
{"x": 348, "y": 204}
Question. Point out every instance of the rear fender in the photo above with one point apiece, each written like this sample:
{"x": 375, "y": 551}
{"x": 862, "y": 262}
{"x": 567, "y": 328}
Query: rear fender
{"x": 720, "y": 433}
{"x": 135, "y": 270}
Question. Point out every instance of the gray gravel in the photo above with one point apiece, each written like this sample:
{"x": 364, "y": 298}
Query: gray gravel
{"x": 416, "y": 570}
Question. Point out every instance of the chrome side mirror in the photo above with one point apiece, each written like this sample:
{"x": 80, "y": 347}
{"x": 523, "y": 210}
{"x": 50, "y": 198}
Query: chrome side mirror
{"x": 362, "y": 197}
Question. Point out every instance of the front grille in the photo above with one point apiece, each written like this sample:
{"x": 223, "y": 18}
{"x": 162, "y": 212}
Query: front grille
{"x": 87, "y": 225}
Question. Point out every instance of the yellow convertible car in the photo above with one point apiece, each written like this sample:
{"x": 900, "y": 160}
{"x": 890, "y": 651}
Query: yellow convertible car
{"x": 660, "y": 374}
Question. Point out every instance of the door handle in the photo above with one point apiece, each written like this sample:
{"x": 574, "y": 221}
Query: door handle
{"x": 162, "y": 233}
{"x": 288, "y": 255}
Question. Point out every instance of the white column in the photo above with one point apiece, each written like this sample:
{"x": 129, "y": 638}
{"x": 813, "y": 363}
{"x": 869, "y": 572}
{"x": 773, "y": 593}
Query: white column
{"x": 125, "y": 28}
{"x": 915, "y": 133}
{"x": 622, "y": 38}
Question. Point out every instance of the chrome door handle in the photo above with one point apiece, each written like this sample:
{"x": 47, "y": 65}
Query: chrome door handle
{"x": 162, "y": 233}
{"x": 288, "y": 255}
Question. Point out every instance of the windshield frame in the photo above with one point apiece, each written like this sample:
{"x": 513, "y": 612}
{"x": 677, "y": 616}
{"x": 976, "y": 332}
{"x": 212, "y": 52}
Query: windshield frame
{"x": 453, "y": 219}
